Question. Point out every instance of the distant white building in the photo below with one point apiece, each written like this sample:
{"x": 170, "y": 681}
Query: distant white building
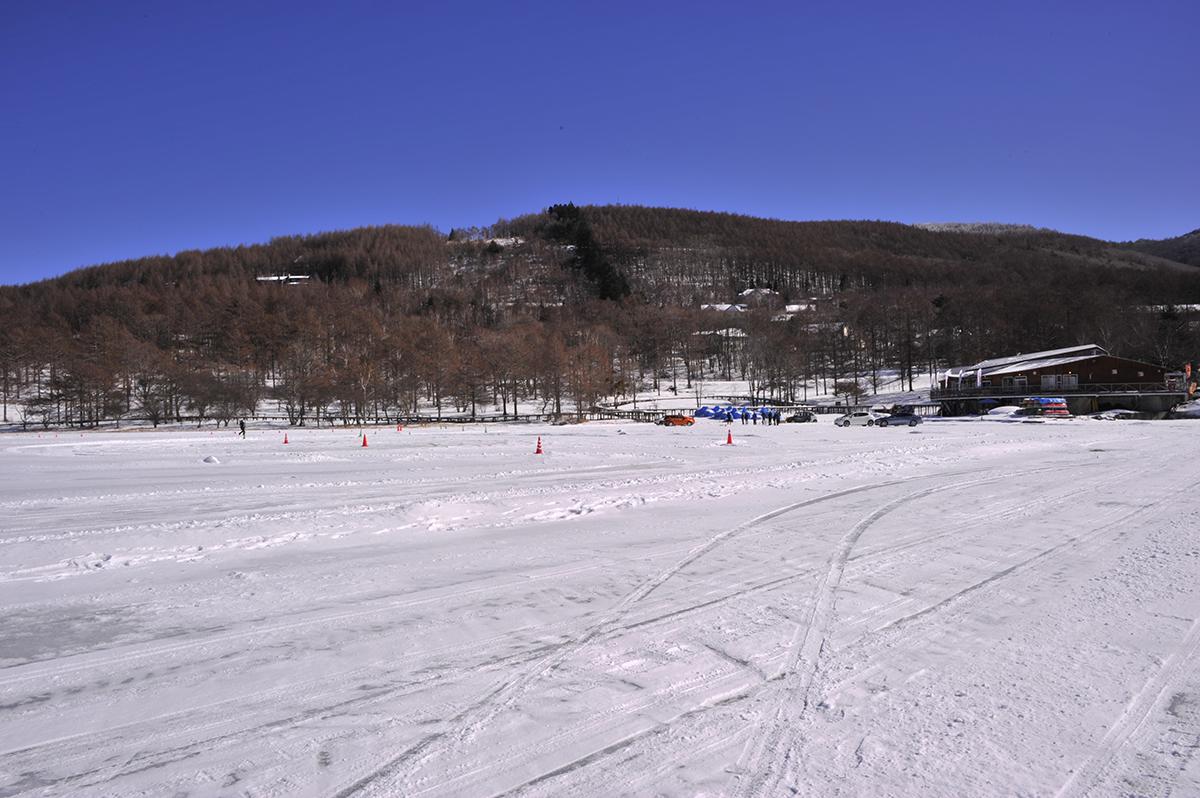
{"x": 790, "y": 311}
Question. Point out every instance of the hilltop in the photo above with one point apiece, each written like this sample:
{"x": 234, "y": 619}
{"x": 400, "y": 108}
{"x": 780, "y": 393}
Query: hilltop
{"x": 1183, "y": 249}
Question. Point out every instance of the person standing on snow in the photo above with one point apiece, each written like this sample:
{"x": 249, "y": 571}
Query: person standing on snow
{"x": 242, "y": 427}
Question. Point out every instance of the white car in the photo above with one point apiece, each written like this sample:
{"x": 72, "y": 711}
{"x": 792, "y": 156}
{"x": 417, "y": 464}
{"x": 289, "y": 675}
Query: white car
{"x": 859, "y": 418}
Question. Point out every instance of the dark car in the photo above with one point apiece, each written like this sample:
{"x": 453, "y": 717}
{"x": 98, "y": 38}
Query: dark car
{"x": 802, "y": 417}
{"x": 899, "y": 420}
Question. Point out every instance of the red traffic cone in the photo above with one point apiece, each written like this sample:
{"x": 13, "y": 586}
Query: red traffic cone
{"x": 729, "y": 438}
{"x": 538, "y": 450}
{"x": 285, "y": 437}
{"x": 364, "y": 445}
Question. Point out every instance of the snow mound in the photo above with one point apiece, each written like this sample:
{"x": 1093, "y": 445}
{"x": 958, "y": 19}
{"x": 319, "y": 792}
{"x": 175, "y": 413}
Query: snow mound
{"x": 1187, "y": 410}
{"x": 212, "y": 459}
{"x": 92, "y": 561}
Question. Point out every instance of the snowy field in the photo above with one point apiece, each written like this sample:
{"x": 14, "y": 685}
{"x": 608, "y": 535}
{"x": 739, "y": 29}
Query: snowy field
{"x": 969, "y": 608}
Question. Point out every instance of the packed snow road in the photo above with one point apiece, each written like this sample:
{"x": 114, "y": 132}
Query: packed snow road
{"x": 967, "y": 608}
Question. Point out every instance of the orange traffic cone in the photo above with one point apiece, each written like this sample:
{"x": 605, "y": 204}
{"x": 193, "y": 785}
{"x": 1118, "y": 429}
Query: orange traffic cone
{"x": 285, "y": 437}
{"x": 364, "y": 440}
{"x": 538, "y": 450}
{"x": 729, "y": 438}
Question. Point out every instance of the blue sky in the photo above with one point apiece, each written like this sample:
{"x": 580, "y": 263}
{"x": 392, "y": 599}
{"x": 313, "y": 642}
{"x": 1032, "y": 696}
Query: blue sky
{"x": 132, "y": 128}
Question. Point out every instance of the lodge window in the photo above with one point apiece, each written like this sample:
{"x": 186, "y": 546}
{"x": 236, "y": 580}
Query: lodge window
{"x": 1052, "y": 382}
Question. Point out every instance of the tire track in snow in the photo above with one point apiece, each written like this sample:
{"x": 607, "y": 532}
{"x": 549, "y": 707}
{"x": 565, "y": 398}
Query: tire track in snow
{"x": 478, "y": 715}
{"x": 703, "y": 605}
{"x": 786, "y": 763}
{"x": 1135, "y": 713}
{"x": 707, "y": 476}
{"x": 522, "y": 752}
{"x": 29, "y": 672}
{"x": 1023, "y": 509}
{"x": 771, "y": 753}
{"x": 523, "y": 580}
{"x": 759, "y": 683}
{"x": 919, "y": 626}
{"x": 868, "y": 556}
{"x": 887, "y": 633}
{"x": 661, "y": 696}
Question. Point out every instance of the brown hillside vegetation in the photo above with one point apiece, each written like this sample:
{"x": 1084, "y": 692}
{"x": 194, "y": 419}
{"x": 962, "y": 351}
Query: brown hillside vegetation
{"x": 696, "y": 255}
{"x": 564, "y": 307}
{"x": 1184, "y": 248}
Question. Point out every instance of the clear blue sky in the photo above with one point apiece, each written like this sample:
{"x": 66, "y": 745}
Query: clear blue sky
{"x": 134, "y": 128}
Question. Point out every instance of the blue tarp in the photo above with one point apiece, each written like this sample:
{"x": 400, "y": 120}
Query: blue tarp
{"x": 732, "y": 413}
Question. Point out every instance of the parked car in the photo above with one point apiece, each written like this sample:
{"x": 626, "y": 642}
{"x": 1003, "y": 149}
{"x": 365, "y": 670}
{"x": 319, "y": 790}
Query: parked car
{"x": 859, "y": 418}
{"x": 802, "y": 417}
{"x": 676, "y": 421}
{"x": 899, "y": 420}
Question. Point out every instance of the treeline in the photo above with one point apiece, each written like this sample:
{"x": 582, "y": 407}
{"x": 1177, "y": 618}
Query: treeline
{"x": 575, "y": 306}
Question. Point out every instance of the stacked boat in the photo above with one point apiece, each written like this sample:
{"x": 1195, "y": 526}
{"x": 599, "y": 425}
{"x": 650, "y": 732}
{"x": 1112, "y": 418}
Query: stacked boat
{"x": 1047, "y": 406}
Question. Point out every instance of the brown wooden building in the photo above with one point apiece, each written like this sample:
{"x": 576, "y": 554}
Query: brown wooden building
{"x": 1087, "y": 376}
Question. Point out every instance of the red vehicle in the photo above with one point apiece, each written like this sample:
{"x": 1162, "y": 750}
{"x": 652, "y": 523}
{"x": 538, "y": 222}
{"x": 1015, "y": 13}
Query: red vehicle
{"x": 677, "y": 421}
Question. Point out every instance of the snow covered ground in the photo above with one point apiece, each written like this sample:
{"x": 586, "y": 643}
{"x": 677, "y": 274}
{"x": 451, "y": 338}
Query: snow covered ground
{"x": 967, "y": 608}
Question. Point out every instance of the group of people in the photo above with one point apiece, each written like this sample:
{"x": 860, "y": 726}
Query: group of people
{"x": 769, "y": 417}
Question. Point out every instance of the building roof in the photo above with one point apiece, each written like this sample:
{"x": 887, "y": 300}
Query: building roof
{"x": 1033, "y": 365}
{"x": 1021, "y": 362}
{"x": 728, "y": 332}
{"x": 283, "y": 278}
{"x": 1086, "y": 349}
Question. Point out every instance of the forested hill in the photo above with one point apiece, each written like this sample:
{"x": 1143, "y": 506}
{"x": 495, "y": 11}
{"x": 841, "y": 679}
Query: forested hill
{"x": 573, "y": 302}
{"x": 391, "y": 252}
{"x": 665, "y": 249}
{"x": 1184, "y": 248}
{"x": 664, "y": 245}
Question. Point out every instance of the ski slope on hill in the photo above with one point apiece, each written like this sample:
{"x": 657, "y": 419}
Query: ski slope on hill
{"x": 964, "y": 608}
